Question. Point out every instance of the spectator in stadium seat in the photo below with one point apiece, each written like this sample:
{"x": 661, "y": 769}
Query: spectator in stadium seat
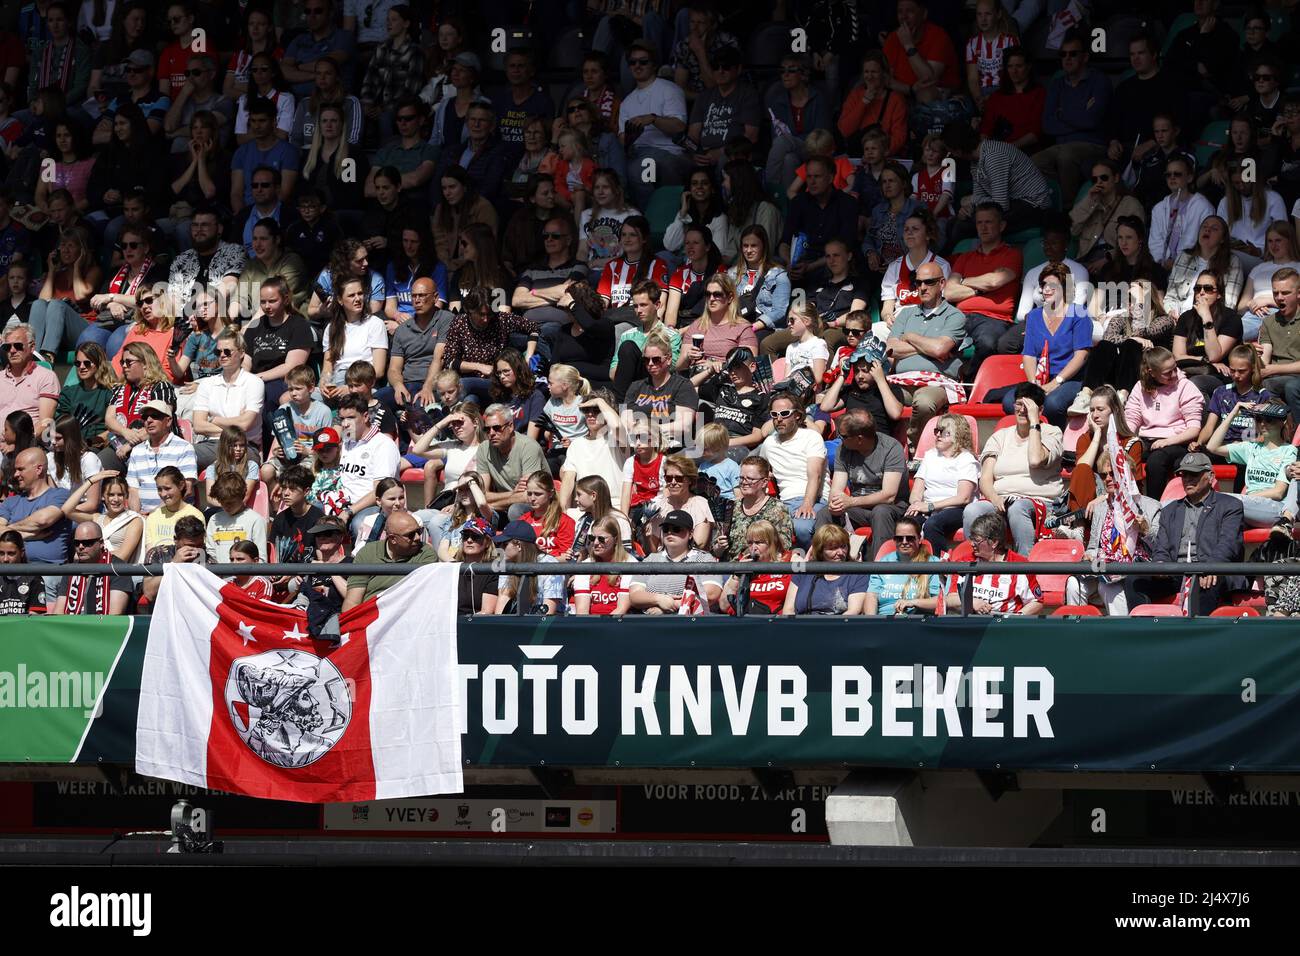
{"x": 898, "y": 288}
{"x": 1203, "y": 527}
{"x": 747, "y": 204}
{"x": 1268, "y": 496}
{"x": 506, "y": 460}
{"x": 1139, "y": 323}
{"x": 677, "y": 495}
{"x": 821, "y": 213}
{"x": 396, "y": 69}
{"x": 872, "y": 103}
{"x": 921, "y": 57}
{"x": 926, "y": 337}
{"x": 648, "y": 119}
{"x": 884, "y": 239}
{"x": 1149, "y": 159}
{"x": 725, "y": 110}
{"x": 1000, "y": 174}
{"x": 234, "y": 521}
{"x": 521, "y": 99}
{"x": 839, "y": 292}
{"x": 18, "y": 595}
{"x": 403, "y": 543}
{"x": 996, "y": 593}
{"x": 263, "y": 148}
{"x": 1207, "y": 332}
{"x": 1013, "y": 113}
{"x": 162, "y": 447}
{"x": 758, "y": 593}
{"x": 476, "y": 593}
{"x": 1177, "y": 219}
{"x": 664, "y": 397}
{"x": 1129, "y": 261}
{"x": 663, "y": 593}
{"x": 797, "y": 108}
{"x": 1205, "y": 59}
{"x": 899, "y": 594}
{"x": 208, "y": 262}
{"x": 328, "y": 89}
{"x": 1095, "y": 218}
{"x": 1212, "y": 253}
{"x": 87, "y": 593}
{"x": 1279, "y": 342}
{"x": 36, "y": 512}
{"x": 762, "y": 286}
{"x": 983, "y": 285}
{"x": 869, "y": 483}
{"x": 197, "y": 94}
{"x": 233, "y": 398}
{"x": 25, "y": 385}
{"x": 648, "y": 305}
{"x": 1020, "y": 471}
{"x": 1281, "y": 250}
{"x": 798, "y": 459}
{"x": 945, "y": 483}
{"x": 720, "y": 329}
{"x": 693, "y": 56}
{"x": 1165, "y": 412}
{"x": 827, "y": 594}
{"x": 1058, "y": 336}
{"x": 1056, "y": 239}
{"x": 321, "y": 39}
{"x": 485, "y": 157}
{"x": 1074, "y": 116}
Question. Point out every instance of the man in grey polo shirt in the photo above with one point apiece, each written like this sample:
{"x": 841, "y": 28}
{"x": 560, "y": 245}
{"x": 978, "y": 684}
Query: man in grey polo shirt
{"x": 927, "y": 337}
{"x": 416, "y": 352}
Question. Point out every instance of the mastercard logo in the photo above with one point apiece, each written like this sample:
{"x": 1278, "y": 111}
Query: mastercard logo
{"x": 585, "y": 816}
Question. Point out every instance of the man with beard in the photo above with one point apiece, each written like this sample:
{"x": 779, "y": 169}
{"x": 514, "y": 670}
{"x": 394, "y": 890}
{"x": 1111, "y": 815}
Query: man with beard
{"x": 210, "y": 262}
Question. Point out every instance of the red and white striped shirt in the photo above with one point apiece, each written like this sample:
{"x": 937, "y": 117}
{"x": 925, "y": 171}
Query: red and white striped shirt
{"x": 619, "y": 275}
{"x": 987, "y": 56}
{"x": 930, "y": 187}
{"x": 1006, "y": 593}
{"x": 684, "y": 278}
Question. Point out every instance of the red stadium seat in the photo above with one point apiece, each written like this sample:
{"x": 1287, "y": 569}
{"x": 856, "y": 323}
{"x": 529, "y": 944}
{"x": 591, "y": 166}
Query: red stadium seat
{"x": 262, "y": 500}
{"x": 887, "y": 548}
{"x": 1255, "y": 535}
{"x": 1076, "y": 610}
{"x": 187, "y": 429}
{"x": 1173, "y": 490}
{"x": 926, "y": 440}
{"x": 1064, "y": 550}
{"x": 1231, "y": 611}
{"x": 997, "y": 371}
{"x": 1006, "y": 421}
{"x": 962, "y": 552}
{"x": 412, "y": 476}
{"x": 1075, "y": 428}
{"x": 1156, "y": 610}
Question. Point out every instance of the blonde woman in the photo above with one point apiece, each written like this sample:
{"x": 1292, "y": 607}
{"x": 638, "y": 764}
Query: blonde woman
{"x": 678, "y": 494}
{"x": 911, "y": 593}
{"x": 143, "y": 380}
{"x": 721, "y": 328}
{"x": 477, "y": 592}
{"x": 327, "y": 167}
{"x": 758, "y": 593}
{"x": 449, "y": 447}
{"x": 602, "y": 594}
{"x": 827, "y": 594}
{"x": 945, "y": 483}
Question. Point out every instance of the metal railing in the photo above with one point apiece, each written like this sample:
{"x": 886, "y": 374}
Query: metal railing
{"x": 965, "y": 570}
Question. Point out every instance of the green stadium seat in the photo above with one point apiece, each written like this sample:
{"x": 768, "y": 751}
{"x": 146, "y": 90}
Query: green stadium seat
{"x": 1213, "y": 138}
{"x": 966, "y": 245}
{"x": 1033, "y": 253}
{"x": 1181, "y": 23}
{"x": 1023, "y": 236}
{"x": 1055, "y": 189}
{"x": 662, "y": 209}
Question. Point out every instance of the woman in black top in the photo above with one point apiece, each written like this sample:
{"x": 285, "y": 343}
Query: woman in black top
{"x": 587, "y": 343}
{"x": 477, "y": 593}
{"x": 131, "y": 160}
{"x": 19, "y": 594}
{"x": 1205, "y": 334}
{"x": 1130, "y": 260}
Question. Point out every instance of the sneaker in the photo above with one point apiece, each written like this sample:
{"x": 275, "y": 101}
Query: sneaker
{"x": 1283, "y": 530}
{"x": 1080, "y": 403}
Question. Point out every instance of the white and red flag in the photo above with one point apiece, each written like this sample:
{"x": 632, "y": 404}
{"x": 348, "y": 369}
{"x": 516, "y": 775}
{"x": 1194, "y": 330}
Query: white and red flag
{"x": 237, "y": 696}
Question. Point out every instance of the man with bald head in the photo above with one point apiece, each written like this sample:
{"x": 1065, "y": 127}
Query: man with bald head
{"x": 927, "y": 337}
{"x": 403, "y": 543}
{"x": 92, "y": 593}
{"x": 37, "y": 514}
{"x": 415, "y": 358}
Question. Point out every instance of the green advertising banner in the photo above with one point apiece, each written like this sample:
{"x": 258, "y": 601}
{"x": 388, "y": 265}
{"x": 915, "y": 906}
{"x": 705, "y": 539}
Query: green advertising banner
{"x": 1160, "y": 694}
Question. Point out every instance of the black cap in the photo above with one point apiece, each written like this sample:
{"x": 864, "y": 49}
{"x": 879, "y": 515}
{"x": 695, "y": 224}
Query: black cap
{"x": 327, "y": 524}
{"x": 724, "y": 57}
{"x": 740, "y": 355}
{"x": 678, "y": 519}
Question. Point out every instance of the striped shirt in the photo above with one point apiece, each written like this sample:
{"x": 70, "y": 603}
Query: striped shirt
{"x": 987, "y": 56}
{"x": 1004, "y": 173}
{"x": 617, "y": 278}
{"x": 1006, "y": 593}
{"x": 146, "y": 461}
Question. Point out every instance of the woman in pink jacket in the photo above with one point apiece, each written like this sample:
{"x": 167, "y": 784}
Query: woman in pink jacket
{"x": 1165, "y": 412}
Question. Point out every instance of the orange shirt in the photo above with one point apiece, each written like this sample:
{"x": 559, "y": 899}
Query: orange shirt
{"x": 934, "y": 45}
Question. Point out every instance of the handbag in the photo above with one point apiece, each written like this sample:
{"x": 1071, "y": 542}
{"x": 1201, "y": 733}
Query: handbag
{"x": 747, "y": 303}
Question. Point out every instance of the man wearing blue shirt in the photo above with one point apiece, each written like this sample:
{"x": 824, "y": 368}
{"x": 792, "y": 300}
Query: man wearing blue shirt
{"x": 1075, "y": 115}
{"x": 265, "y": 149}
{"x": 321, "y": 39}
{"x": 37, "y": 514}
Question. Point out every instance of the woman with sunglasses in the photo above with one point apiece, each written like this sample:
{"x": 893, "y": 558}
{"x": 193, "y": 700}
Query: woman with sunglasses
{"x": 1249, "y": 207}
{"x": 156, "y": 327}
{"x": 523, "y": 243}
{"x": 762, "y": 594}
{"x": 445, "y": 525}
{"x": 898, "y": 594}
{"x": 1212, "y": 253}
{"x": 1204, "y": 336}
{"x": 143, "y": 380}
{"x": 1095, "y": 218}
{"x": 899, "y": 286}
{"x": 268, "y": 83}
{"x": 62, "y": 312}
{"x": 945, "y": 483}
{"x": 603, "y": 594}
{"x": 678, "y": 494}
{"x": 711, "y": 338}
{"x": 588, "y": 118}
{"x": 476, "y": 593}
{"x": 827, "y": 594}
{"x": 86, "y": 399}
{"x": 664, "y": 397}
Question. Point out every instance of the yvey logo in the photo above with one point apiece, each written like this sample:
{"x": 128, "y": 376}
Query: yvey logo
{"x": 76, "y": 909}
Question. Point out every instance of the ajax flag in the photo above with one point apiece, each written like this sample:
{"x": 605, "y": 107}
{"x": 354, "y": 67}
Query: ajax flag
{"x": 237, "y": 696}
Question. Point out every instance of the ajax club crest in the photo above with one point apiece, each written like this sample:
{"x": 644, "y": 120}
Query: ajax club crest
{"x": 289, "y": 707}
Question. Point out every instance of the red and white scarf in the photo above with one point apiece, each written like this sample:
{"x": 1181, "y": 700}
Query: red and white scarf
{"x": 119, "y": 284}
{"x": 89, "y": 593}
{"x": 955, "y": 391}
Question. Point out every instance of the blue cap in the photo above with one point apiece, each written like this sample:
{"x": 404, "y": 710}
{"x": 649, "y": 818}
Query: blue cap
{"x": 517, "y": 531}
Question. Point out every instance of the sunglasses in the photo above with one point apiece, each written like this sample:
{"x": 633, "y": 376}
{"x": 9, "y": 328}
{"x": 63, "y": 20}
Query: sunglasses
{"x": 791, "y": 71}
{"x": 1070, "y": 54}
{"x": 153, "y": 417}
{"x": 500, "y": 428}
{"x": 407, "y": 118}
{"x": 225, "y": 353}
{"x": 674, "y": 479}
{"x": 601, "y": 539}
{"x": 263, "y": 185}
{"x": 848, "y": 331}
{"x": 715, "y": 295}
{"x": 906, "y": 538}
{"x": 405, "y": 535}
{"x": 639, "y": 61}
{"x": 576, "y": 109}
{"x": 134, "y": 245}
{"x": 87, "y": 542}
{"x": 655, "y": 361}
{"x": 929, "y": 282}
{"x": 555, "y": 235}
{"x": 13, "y": 347}
{"x": 1205, "y": 287}
{"x": 1263, "y": 77}
{"x": 85, "y": 364}
{"x": 1104, "y": 178}
{"x": 147, "y": 300}
{"x": 783, "y": 414}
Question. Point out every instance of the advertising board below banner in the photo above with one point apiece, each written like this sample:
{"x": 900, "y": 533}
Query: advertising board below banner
{"x": 520, "y": 817}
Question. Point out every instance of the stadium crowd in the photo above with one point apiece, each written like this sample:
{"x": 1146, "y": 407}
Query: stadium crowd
{"x": 639, "y": 282}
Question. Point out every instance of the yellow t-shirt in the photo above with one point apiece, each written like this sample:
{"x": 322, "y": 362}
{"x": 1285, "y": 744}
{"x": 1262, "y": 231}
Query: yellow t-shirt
{"x": 160, "y": 527}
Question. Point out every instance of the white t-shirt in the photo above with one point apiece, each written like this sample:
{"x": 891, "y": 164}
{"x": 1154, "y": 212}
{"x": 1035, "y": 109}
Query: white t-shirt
{"x": 661, "y": 98}
{"x": 889, "y": 285}
{"x": 363, "y": 464}
{"x": 89, "y": 466}
{"x": 942, "y": 474}
{"x": 285, "y": 105}
{"x": 247, "y": 392}
{"x": 595, "y": 456}
{"x": 802, "y": 354}
{"x": 789, "y": 461}
{"x": 360, "y": 339}
{"x": 1247, "y": 230}
{"x": 459, "y": 459}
